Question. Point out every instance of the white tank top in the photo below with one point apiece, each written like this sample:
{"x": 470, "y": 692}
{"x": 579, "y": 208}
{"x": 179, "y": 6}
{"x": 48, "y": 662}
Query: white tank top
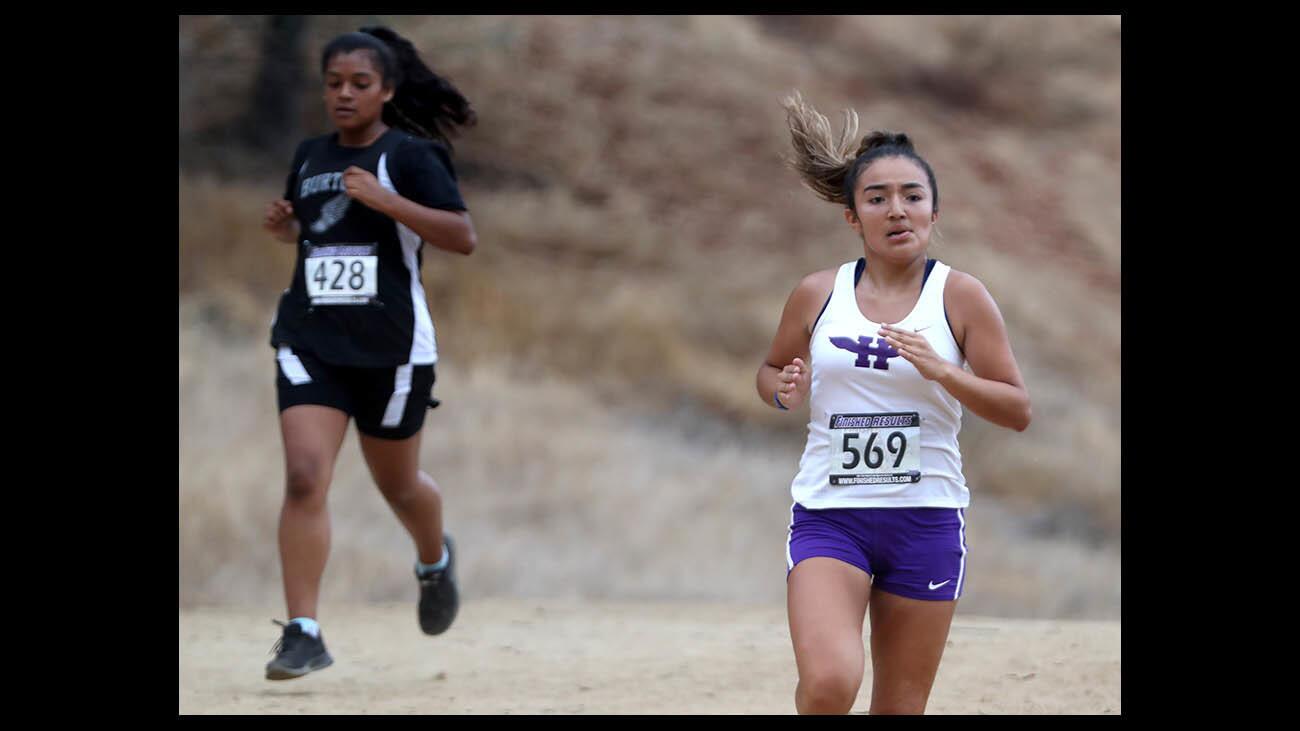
{"x": 869, "y": 407}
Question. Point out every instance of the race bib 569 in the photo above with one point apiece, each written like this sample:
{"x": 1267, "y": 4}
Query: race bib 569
{"x": 870, "y": 449}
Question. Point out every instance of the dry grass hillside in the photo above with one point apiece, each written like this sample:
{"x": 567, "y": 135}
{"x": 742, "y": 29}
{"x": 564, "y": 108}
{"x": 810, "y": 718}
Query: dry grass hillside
{"x": 638, "y": 238}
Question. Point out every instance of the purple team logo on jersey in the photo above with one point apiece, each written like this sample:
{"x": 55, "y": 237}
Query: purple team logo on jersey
{"x": 865, "y": 348}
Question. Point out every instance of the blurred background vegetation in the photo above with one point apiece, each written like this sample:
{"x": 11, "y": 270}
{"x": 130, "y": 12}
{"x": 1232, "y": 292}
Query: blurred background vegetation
{"x": 638, "y": 237}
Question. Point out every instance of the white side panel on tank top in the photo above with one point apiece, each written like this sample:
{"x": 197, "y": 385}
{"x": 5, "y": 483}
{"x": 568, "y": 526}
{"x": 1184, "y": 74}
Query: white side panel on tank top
{"x": 840, "y": 387}
{"x": 424, "y": 347}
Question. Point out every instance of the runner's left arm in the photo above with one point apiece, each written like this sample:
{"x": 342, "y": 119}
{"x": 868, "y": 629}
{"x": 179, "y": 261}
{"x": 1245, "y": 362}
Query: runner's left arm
{"x": 450, "y": 230}
{"x": 993, "y": 387}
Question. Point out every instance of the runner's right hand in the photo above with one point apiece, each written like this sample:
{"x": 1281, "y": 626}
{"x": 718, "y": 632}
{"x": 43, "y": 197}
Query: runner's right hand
{"x": 279, "y": 213}
{"x": 796, "y": 379}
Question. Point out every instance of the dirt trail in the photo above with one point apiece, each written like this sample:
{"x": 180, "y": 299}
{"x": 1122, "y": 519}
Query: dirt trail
{"x": 510, "y": 656}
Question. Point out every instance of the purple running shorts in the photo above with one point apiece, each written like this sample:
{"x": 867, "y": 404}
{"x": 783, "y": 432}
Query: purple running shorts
{"x": 918, "y": 553}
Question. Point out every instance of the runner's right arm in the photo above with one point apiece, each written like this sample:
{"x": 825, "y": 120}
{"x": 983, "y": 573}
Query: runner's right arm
{"x": 786, "y": 369}
{"x": 279, "y": 219}
{"x": 281, "y": 222}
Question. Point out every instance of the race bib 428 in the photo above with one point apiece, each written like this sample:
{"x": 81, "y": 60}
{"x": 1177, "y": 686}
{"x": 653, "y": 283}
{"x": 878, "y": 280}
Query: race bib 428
{"x": 342, "y": 275}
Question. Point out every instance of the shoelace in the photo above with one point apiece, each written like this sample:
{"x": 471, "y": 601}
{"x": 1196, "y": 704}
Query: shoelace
{"x": 279, "y": 644}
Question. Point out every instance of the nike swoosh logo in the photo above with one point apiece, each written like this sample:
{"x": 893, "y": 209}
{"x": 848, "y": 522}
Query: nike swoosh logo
{"x": 934, "y": 586}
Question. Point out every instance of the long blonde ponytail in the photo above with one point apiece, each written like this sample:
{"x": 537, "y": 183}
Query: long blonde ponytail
{"x": 828, "y": 164}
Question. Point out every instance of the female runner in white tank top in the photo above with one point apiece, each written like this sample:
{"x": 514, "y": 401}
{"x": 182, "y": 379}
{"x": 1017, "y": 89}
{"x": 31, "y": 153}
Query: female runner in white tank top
{"x": 876, "y": 348}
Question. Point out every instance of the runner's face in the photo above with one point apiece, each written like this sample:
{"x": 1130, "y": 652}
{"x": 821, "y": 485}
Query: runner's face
{"x": 354, "y": 92}
{"x": 893, "y": 208}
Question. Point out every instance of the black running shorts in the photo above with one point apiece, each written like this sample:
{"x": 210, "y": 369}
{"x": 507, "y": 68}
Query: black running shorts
{"x": 388, "y": 403}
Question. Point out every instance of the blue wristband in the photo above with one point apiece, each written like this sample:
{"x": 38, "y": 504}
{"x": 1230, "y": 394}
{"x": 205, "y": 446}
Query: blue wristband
{"x": 777, "y": 401}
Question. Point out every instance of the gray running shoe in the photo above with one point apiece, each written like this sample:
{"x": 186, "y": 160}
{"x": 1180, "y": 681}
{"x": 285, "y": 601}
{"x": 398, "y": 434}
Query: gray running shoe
{"x": 439, "y": 598}
{"x": 296, "y": 654}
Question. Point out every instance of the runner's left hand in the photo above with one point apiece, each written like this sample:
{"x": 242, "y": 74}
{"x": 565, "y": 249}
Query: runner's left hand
{"x": 916, "y": 349}
{"x": 362, "y": 185}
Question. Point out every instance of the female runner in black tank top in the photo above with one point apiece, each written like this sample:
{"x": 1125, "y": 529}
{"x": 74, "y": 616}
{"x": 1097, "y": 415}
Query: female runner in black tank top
{"x": 353, "y": 334}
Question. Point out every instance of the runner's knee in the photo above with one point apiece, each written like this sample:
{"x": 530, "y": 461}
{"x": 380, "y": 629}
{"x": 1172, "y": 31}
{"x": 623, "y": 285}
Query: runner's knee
{"x": 829, "y": 690}
{"x": 401, "y": 493}
{"x": 306, "y": 480}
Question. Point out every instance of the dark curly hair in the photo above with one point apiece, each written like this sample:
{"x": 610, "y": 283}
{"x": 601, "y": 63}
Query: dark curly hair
{"x": 423, "y": 103}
